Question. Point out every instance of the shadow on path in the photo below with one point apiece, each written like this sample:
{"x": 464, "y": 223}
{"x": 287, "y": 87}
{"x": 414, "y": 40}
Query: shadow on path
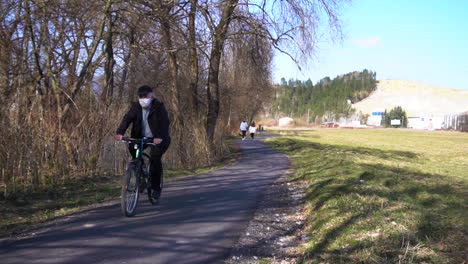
{"x": 198, "y": 220}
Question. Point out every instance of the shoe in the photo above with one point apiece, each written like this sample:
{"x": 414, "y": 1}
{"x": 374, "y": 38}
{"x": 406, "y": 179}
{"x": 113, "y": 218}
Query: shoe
{"x": 155, "y": 194}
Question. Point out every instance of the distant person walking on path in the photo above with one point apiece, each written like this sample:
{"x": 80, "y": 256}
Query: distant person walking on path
{"x": 149, "y": 119}
{"x": 243, "y": 128}
{"x": 252, "y": 130}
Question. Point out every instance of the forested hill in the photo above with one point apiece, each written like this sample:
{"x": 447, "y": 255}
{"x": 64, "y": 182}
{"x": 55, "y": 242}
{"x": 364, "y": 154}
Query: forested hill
{"x": 326, "y": 98}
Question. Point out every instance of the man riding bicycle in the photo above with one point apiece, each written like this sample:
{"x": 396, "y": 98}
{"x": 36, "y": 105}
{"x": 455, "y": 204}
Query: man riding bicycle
{"x": 149, "y": 119}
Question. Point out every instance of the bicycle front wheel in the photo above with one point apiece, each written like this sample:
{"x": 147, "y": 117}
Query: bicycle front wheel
{"x": 130, "y": 191}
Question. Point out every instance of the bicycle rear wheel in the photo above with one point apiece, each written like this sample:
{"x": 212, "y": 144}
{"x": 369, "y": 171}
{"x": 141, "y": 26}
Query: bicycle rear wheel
{"x": 130, "y": 190}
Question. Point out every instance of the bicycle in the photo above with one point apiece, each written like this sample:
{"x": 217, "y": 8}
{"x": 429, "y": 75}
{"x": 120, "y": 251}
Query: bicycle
{"x": 137, "y": 179}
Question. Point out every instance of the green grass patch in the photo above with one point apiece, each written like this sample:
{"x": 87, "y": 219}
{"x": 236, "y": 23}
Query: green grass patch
{"x": 382, "y": 195}
{"x": 265, "y": 261}
{"x": 25, "y": 209}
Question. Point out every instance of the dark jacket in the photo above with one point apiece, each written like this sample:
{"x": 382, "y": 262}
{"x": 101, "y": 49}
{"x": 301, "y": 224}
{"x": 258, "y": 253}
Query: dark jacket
{"x": 158, "y": 121}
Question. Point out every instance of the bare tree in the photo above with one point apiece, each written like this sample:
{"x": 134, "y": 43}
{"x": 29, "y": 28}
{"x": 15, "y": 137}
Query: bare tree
{"x": 108, "y": 89}
{"x": 218, "y": 36}
{"x": 67, "y": 67}
{"x": 246, "y": 85}
{"x": 89, "y": 65}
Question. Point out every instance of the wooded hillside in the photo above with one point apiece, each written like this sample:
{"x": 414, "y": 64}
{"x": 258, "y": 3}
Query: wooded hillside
{"x": 329, "y": 99}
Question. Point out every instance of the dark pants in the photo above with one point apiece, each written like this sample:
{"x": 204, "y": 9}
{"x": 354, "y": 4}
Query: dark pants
{"x": 252, "y": 135}
{"x": 156, "y": 168}
{"x": 243, "y": 133}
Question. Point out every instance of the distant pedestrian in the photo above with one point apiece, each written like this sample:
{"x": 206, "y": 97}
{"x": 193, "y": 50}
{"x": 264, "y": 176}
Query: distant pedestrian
{"x": 243, "y": 128}
{"x": 252, "y": 130}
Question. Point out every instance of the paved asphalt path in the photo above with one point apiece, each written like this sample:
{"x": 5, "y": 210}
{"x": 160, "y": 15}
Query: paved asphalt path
{"x": 198, "y": 220}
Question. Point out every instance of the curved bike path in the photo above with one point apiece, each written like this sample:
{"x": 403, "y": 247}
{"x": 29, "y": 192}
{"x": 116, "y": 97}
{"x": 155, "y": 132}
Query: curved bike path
{"x": 198, "y": 220}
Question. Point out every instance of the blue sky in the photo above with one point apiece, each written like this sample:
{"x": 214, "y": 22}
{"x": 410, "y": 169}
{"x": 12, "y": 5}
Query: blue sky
{"x": 420, "y": 40}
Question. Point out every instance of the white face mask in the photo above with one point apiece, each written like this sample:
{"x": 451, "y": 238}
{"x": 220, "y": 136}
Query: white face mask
{"x": 145, "y": 102}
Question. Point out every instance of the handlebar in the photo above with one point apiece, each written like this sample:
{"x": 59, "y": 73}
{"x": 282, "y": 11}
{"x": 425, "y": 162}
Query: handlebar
{"x": 147, "y": 141}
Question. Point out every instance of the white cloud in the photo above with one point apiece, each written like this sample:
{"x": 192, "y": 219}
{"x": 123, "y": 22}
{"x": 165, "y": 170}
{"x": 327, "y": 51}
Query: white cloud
{"x": 367, "y": 42}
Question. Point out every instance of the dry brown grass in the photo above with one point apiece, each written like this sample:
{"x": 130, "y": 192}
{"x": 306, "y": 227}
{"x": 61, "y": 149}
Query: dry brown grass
{"x": 37, "y": 153}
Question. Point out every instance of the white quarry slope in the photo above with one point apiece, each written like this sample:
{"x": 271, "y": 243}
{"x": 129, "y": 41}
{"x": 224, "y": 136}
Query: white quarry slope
{"x": 418, "y": 99}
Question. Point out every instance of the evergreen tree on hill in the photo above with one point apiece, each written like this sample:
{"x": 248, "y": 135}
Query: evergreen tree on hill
{"x": 329, "y": 97}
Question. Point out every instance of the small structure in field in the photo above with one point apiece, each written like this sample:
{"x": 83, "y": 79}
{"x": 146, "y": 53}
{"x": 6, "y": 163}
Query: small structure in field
{"x": 456, "y": 122}
{"x": 285, "y": 121}
{"x": 330, "y": 124}
{"x": 375, "y": 119}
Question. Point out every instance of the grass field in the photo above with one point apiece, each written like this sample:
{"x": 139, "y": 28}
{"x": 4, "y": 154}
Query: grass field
{"x": 382, "y": 195}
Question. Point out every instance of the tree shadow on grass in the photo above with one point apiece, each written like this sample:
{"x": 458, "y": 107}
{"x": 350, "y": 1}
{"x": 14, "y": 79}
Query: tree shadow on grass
{"x": 296, "y": 144}
{"x": 347, "y": 194}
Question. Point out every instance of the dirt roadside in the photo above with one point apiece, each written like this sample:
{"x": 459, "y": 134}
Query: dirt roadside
{"x": 274, "y": 235}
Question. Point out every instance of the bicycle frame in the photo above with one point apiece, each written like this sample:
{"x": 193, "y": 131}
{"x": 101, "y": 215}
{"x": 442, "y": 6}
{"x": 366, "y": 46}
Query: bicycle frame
{"x": 139, "y": 146}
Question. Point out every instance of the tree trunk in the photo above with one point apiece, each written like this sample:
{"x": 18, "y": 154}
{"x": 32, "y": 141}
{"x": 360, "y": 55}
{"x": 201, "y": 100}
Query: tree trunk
{"x": 108, "y": 89}
{"x": 173, "y": 69}
{"x": 193, "y": 86}
{"x": 215, "y": 62}
{"x": 127, "y": 61}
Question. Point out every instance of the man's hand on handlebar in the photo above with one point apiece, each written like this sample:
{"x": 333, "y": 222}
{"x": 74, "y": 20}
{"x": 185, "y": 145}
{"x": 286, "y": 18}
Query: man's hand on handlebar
{"x": 156, "y": 141}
